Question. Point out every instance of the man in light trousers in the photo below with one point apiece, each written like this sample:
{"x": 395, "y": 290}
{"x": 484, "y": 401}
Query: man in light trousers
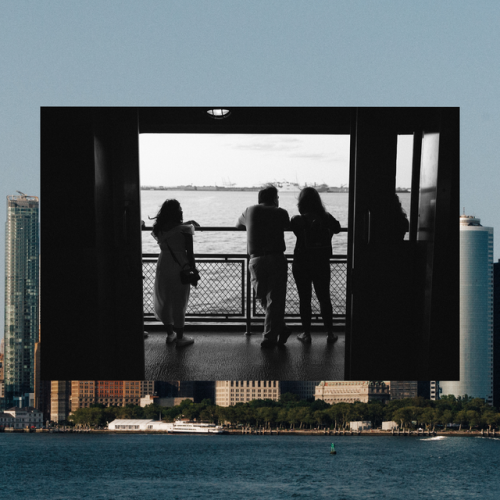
{"x": 265, "y": 224}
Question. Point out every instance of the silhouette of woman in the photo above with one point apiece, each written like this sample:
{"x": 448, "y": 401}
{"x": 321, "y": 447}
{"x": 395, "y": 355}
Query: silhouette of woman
{"x": 314, "y": 228}
{"x": 171, "y": 296}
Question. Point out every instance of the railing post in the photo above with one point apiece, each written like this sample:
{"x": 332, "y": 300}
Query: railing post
{"x": 249, "y": 300}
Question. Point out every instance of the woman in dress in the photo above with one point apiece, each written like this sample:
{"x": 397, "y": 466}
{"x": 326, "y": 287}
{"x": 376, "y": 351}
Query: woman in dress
{"x": 314, "y": 228}
{"x": 170, "y": 294}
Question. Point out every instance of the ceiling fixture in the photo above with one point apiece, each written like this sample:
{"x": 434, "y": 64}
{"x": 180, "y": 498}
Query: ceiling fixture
{"x": 219, "y": 113}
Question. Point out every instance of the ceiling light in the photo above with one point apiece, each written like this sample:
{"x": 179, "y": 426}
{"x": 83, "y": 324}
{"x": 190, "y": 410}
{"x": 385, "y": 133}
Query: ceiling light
{"x": 218, "y": 113}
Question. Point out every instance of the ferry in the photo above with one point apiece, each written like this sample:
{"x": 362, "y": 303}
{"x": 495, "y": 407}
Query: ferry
{"x": 179, "y": 426}
{"x": 196, "y": 427}
{"x": 285, "y": 186}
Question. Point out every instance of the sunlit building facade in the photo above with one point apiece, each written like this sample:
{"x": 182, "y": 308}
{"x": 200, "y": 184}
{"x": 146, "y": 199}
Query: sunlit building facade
{"x": 476, "y": 313}
{"x": 333, "y": 392}
{"x": 231, "y": 392}
{"x": 21, "y": 297}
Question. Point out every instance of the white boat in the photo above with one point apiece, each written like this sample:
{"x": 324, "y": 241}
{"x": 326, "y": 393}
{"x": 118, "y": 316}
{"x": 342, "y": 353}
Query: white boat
{"x": 196, "y": 427}
{"x": 178, "y": 426}
{"x": 285, "y": 186}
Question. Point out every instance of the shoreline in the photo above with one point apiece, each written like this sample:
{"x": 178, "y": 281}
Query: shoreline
{"x": 274, "y": 432}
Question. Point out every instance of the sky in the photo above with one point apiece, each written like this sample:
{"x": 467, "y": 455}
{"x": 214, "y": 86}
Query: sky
{"x": 253, "y": 160}
{"x": 252, "y": 53}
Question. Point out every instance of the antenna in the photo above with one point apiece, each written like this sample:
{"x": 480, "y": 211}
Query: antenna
{"x": 21, "y": 193}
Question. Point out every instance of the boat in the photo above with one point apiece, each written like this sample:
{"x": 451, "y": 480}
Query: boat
{"x": 285, "y": 186}
{"x": 179, "y": 426}
{"x": 196, "y": 427}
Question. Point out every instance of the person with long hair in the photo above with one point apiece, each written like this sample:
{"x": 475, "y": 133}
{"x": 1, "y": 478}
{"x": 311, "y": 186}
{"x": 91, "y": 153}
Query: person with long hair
{"x": 314, "y": 228}
{"x": 171, "y": 296}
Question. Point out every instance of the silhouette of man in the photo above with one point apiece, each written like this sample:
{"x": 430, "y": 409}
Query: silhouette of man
{"x": 265, "y": 224}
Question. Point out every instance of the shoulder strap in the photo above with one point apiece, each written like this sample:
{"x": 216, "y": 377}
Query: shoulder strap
{"x": 172, "y": 253}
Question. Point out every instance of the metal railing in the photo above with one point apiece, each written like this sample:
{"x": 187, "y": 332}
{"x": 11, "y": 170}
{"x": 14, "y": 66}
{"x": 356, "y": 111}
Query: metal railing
{"x": 224, "y": 294}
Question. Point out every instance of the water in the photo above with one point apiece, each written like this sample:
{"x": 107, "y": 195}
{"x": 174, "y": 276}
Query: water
{"x": 222, "y": 208}
{"x": 109, "y": 466}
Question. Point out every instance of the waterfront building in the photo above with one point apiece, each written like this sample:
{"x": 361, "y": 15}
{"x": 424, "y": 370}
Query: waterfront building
{"x": 332, "y": 392}
{"x": 360, "y": 425}
{"x": 496, "y": 334}
{"x": 304, "y": 389}
{"x": 230, "y": 392}
{"x": 21, "y": 296}
{"x": 476, "y": 313}
{"x": 25, "y": 417}
{"x": 82, "y": 394}
{"x": 109, "y": 392}
{"x": 6, "y": 420}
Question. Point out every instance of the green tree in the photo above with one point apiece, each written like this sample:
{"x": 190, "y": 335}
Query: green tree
{"x": 446, "y": 417}
{"x": 293, "y": 417}
{"x": 289, "y": 399}
{"x": 462, "y": 418}
{"x": 429, "y": 416}
{"x": 404, "y": 416}
{"x": 282, "y": 416}
{"x": 473, "y": 417}
{"x": 339, "y": 413}
{"x": 320, "y": 417}
{"x": 490, "y": 418}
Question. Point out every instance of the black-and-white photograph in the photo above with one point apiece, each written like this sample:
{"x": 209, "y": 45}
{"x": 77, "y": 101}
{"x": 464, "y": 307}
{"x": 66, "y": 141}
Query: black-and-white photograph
{"x": 252, "y": 243}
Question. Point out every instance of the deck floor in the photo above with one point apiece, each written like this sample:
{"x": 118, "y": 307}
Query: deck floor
{"x": 235, "y": 356}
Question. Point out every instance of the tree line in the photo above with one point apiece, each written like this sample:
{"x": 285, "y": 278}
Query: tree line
{"x": 291, "y": 413}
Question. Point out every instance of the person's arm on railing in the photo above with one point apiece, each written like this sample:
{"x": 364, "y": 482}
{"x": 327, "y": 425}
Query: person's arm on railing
{"x": 241, "y": 223}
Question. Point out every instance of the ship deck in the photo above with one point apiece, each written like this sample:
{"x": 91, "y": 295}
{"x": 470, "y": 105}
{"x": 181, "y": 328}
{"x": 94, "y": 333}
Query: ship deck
{"x": 231, "y": 355}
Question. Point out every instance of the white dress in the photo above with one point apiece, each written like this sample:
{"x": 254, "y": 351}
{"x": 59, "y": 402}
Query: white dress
{"x": 170, "y": 295}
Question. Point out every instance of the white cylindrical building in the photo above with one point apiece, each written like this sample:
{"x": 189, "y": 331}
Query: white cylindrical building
{"x": 476, "y": 313}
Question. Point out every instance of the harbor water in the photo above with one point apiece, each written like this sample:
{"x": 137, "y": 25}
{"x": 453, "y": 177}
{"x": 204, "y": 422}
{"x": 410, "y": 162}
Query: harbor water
{"x": 127, "y": 466}
{"x": 222, "y": 208}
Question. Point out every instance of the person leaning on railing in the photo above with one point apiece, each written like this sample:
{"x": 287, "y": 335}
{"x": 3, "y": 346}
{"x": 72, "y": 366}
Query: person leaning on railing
{"x": 314, "y": 228}
{"x": 171, "y": 296}
{"x": 265, "y": 224}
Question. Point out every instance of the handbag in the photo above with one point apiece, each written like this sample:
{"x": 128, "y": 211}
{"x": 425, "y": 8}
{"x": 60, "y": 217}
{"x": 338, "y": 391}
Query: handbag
{"x": 188, "y": 276}
{"x": 191, "y": 276}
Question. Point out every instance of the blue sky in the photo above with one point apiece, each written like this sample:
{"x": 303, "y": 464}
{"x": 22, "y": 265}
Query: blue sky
{"x": 252, "y": 53}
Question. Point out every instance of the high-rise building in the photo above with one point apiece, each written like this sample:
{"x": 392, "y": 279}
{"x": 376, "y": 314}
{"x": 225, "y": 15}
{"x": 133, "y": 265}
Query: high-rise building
{"x": 21, "y": 297}
{"x": 476, "y": 313}
{"x": 59, "y": 400}
{"x": 496, "y": 335}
